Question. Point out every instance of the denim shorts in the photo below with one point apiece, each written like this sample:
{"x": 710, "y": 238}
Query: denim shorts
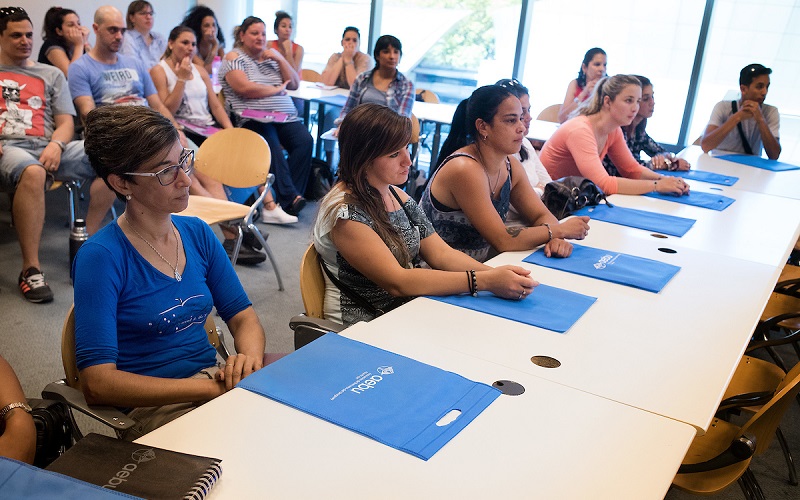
{"x": 18, "y": 154}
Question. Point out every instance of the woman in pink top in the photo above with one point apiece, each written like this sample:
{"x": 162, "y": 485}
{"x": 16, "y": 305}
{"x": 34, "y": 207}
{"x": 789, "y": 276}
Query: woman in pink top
{"x": 579, "y": 145}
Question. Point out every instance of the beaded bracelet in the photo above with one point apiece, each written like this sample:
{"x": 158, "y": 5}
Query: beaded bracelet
{"x": 473, "y": 282}
{"x": 549, "y": 232}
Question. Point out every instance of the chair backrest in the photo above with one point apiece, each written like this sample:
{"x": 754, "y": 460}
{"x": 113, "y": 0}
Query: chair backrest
{"x": 236, "y": 157}
{"x": 763, "y": 424}
{"x": 414, "y": 129}
{"x": 68, "y": 346}
{"x": 549, "y": 114}
{"x": 428, "y": 96}
{"x": 312, "y": 283}
{"x": 310, "y": 75}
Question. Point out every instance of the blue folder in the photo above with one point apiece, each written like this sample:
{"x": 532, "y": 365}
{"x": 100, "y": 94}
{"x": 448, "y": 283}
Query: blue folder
{"x": 547, "y": 307}
{"x": 20, "y": 480}
{"x": 640, "y": 219}
{"x": 697, "y": 199}
{"x": 638, "y": 272}
{"x": 759, "y": 162}
{"x": 702, "y": 176}
{"x": 387, "y": 397}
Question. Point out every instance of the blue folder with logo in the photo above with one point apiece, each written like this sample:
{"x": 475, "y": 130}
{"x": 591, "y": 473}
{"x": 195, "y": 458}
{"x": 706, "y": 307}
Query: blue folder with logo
{"x": 702, "y": 176}
{"x": 759, "y": 162}
{"x": 638, "y": 272}
{"x": 697, "y": 199}
{"x": 20, "y": 480}
{"x": 387, "y": 397}
{"x": 640, "y": 219}
{"x": 547, "y": 307}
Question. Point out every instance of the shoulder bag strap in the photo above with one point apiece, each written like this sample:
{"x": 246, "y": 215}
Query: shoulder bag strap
{"x": 352, "y": 294}
{"x": 746, "y": 145}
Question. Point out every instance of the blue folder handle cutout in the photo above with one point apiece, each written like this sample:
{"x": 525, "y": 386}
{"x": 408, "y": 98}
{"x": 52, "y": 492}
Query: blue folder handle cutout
{"x": 697, "y": 199}
{"x": 624, "y": 269}
{"x": 759, "y": 162}
{"x": 640, "y": 219}
{"x": 387, "y": 397}
{"x": 702, "y": 176}
{"x": 547, "y": 307}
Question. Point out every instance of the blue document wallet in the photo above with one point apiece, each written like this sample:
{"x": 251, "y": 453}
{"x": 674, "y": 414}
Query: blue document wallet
{"x": 387, "y": 397}
{"x": 697, "y": 199}
{"x": 547, "y": 307}
{"x": 759, "y": 162}
{"x": 20, "y": 480}
{"x": 702, "y": 176}
{"x": 640, "y": 219}
{"x": 638, "y": 272}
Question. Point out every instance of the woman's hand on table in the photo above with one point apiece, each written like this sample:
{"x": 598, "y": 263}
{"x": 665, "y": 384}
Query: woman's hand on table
{"x": 236, "y": 368}
{"x": 508, "y": 282}
{"x": 558, "y": 248}
{"x": 574, "y": 228}
{"x": 669, "y": 162}
{"x": 672, "y": 185}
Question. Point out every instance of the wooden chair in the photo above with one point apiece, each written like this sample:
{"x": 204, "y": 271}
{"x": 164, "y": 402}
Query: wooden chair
{"x": 781, "y": 316}
{"x": 310, "y": 75}
{"x": 238, "y": 158}
{"x": 722, "y": 455}
{"x": 69, "y": 391}
{"x": 549, "y": 114}
{"x": 311, "y": 325}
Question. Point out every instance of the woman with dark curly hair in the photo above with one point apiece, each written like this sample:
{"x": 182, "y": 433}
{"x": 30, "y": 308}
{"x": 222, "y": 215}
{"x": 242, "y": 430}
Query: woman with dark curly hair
{"x": 210, "y": 40}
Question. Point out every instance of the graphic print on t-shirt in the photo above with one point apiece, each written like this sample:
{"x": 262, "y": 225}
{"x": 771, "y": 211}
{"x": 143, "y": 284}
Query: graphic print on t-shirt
{"x": 182, "y": 315}
{"x": 22, "y": 107}
{"x": 121, "y": 86}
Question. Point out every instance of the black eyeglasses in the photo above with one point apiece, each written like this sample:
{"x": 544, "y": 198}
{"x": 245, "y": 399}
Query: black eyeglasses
{"x": 10, "y": 11}
{"x": 168, "y": 175}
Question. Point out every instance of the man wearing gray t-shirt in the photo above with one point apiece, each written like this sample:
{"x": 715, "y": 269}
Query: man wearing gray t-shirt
{"x": 36, "y": 146}
{"x": 744, "y": 126}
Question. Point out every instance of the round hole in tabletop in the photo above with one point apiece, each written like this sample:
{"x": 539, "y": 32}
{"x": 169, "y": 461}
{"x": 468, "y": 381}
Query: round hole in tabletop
{"x": 656, "y": 235}
{"x": 667, "y": 250}
{"x": 545, "y": 361}
{"x": 716, "y": 189}
{"x": 509, "y": 387}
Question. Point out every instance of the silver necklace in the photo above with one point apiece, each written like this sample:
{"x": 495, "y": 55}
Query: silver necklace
{"x": 486, "y": 171}
{"x": 178, "y": 276}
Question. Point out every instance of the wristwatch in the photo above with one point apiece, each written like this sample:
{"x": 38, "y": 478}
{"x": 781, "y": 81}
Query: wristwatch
{"x": 61, "y": 144}
{"x": 7, "y": 408}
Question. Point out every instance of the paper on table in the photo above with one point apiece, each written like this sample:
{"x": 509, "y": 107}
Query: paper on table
{"x": 759, "y": 162}
{"x": 387, "y": 397}
{"x": 547, "y": 307}
{"x": 624, "y": 269}
{"x": 323, "y": 86}
{"x": 640, "y": 219}
{"x": 697, "y": 199}
{"x": 702, "y": 176}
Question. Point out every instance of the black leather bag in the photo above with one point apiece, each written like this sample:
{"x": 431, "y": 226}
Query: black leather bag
{"x": 320, "y": 180}
{"x": 568, "y": 194}
{"x": 54, "y": 430}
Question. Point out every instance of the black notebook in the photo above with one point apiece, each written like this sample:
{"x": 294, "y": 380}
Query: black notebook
{"x": 139, "y": 470}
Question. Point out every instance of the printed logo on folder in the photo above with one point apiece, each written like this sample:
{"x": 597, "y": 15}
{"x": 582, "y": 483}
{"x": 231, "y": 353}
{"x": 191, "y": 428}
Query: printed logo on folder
{"x": 387, "y": 397}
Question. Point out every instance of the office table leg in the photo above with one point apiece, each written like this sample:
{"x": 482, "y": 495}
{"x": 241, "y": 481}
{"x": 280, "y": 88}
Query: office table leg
{"x": 437, "y": 137}
{"x": 320, "y": 122}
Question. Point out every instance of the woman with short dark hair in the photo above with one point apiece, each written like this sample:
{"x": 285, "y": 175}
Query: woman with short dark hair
{"x": 65, "y": 40}
{"x": 145, "y": 284}
{"x": 592, "y": 69}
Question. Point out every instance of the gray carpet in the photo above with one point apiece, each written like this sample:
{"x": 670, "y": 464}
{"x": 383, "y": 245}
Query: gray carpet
{"x": 31, "y": 334}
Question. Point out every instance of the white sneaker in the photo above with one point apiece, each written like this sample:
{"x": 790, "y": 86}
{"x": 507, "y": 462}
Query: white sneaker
{"x": 277, "y": 216}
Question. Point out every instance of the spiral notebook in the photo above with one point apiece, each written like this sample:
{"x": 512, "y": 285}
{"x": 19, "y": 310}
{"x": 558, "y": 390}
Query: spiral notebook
{"x": 138, "y": 470}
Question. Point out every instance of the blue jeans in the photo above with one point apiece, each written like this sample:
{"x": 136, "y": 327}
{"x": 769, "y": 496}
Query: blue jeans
{"x": 291, "y": 177}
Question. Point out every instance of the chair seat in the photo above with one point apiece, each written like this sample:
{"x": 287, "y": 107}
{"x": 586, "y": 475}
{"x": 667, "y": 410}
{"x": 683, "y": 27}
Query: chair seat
{"x": 754, "y": 375}
{"x": 212, "y": 211}
{"x": 782, "y": 304}
{"x": 789, "y": 272}
{"x": 719, "y": 436}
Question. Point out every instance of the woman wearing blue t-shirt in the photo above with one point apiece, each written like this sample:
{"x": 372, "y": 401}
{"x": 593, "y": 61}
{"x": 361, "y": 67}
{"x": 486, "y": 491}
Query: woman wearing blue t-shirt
{"x": 145, "y": 284}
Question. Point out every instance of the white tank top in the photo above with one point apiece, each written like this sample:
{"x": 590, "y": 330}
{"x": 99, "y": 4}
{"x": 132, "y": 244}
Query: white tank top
{"x": 194, "y": 104}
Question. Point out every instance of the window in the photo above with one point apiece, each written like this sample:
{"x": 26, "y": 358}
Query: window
{"x": 451, "y": 47}
{"x": 653, "y": 39}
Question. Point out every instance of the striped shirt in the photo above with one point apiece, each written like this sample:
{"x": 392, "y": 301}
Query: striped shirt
{"x": 267, "y": 72}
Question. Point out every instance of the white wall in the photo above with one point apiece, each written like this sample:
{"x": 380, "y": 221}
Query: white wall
{"x": 168, "y": 14}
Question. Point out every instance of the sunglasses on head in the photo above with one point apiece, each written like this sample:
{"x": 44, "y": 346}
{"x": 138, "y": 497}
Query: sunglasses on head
{"x": 168, "y": 175}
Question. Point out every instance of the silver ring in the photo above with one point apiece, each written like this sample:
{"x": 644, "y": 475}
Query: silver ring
{"x": 520, "y": 296}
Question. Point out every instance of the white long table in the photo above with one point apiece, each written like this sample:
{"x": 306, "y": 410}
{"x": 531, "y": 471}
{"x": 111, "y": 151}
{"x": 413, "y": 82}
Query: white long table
{"x": 786, "y": 184}
{"x": 550, "y": 442}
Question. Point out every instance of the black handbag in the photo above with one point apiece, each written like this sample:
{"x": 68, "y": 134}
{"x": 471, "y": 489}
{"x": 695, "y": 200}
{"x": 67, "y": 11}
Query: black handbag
{"x": 54, "y": 430}
{"x": 568, "y": 194}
